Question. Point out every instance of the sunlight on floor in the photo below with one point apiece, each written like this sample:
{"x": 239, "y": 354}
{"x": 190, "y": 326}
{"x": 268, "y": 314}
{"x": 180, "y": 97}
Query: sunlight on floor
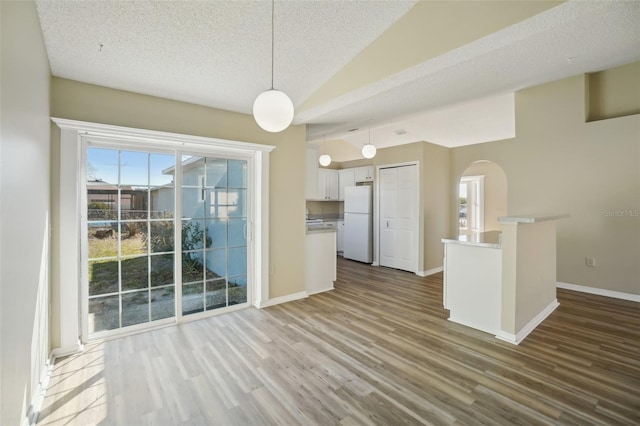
{"x": 77, "y": 381}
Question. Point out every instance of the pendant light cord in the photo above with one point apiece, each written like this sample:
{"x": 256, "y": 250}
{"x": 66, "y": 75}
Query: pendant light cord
{"x": 272, "y": 37}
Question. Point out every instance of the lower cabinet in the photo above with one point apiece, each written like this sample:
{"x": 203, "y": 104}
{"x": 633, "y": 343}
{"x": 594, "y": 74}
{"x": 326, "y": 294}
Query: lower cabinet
{"x": 340, "y": 237}
{"x": 321, "y": 267}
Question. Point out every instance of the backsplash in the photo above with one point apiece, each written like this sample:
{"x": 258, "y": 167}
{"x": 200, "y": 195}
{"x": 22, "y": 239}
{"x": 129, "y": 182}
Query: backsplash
{"x": 325, "y": 209}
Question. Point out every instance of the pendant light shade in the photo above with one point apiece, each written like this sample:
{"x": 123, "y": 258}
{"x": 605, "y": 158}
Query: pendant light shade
{"x": 273, "y": 110}
{"x": 324, "y": 160}
{"x": 369, "y": 151}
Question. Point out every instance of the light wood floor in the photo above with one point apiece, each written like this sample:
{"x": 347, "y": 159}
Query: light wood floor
{"x": 376, "y": 350}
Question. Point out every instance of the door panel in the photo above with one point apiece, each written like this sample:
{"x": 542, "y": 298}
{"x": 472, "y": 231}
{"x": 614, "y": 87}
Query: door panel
{"x": 130, "y": 250}
{"x": 129, "y": 245}
{"x": 214, "y": 233}
{"x": 388, "y": 211}
{"x": 398, "y": 217}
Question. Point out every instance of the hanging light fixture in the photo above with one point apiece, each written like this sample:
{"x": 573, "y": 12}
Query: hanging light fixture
{"x": 272, "y": 109}
{"x": 369, "y": 151}
{"x": 324, "y": 159}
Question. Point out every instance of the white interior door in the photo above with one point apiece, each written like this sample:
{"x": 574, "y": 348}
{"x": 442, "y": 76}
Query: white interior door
{"x": 399, "y": 217}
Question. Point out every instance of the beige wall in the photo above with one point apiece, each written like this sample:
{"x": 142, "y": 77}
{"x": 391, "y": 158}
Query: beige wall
{"x": 436, "y": 181}
{"x": 400, "y": 46}
{"x": 614, "y": 93}
{"x": 85, "y": 102}
{"x": 434, "y": 189}
{"x": 495, "y": 191}
{"x": 24, "y": 211}
{"x": 323, "y": 208}
{"x": 559, "y": 164}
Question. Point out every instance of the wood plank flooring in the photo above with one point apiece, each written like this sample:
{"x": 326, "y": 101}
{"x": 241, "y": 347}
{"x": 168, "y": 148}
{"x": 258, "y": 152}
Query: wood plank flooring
{"x": 377, "y": 350}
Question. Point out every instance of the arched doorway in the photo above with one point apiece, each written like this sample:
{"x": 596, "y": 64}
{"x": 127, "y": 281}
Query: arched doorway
{"x": 482, "y": 197}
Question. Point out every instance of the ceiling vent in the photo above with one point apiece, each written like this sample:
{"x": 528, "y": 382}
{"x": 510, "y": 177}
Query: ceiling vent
{"x": 400, "y": 132}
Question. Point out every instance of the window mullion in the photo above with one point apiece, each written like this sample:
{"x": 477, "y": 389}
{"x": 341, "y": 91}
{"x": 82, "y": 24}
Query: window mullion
{"x": 177, "y": 250}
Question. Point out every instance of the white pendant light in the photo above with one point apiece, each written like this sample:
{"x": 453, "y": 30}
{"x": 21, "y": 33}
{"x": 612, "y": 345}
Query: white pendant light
{"x": 324, "y": 159}
{"x": 273, "y": 109}
{"x": 369, "y": 151}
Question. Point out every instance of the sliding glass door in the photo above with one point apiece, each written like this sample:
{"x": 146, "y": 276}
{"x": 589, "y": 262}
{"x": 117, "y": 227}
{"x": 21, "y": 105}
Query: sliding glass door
{"x": 214, "y": 233}
{"x": 139, "y": 204}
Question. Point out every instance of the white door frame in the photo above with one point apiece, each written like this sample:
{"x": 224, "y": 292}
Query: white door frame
{"x": 419, "y": 264}
{"x": 68, "y": 267}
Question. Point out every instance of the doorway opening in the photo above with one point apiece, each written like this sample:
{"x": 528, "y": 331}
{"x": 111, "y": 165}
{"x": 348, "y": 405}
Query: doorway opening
{"x": 471, "y": 204}
{"x": 482, "y": 198}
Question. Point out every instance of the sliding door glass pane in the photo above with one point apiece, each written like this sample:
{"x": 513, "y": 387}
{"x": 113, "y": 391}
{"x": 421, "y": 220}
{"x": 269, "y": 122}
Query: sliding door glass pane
{"x": 130, "y": 230}
{"x": 214, "y": 218}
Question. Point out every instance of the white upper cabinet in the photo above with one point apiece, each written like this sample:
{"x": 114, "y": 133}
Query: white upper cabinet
{"x": 363, "y": 174}
{"x": 320, "y": 184}
{"x": 347, "y": 178}
{"x": 328, "y": 184}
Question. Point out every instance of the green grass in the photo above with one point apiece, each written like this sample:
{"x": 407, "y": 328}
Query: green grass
{"x": 103, "y": 273}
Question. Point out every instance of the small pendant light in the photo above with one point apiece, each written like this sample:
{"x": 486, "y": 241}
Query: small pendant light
{"x": 324, "y": 159}
{"x": 273, "y": 109}
{"x": 369, "y": 151}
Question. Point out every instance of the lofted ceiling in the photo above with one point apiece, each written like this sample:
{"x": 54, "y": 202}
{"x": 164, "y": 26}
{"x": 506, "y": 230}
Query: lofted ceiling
{"x": 401, "y": 71}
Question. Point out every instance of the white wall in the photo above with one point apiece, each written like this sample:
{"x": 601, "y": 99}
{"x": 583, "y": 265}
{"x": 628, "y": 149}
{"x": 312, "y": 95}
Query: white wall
{"x": 24, "y": 210}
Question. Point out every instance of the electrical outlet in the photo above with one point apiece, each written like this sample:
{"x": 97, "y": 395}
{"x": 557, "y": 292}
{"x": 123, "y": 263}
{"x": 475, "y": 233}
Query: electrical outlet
{"x": 590, "y": 261}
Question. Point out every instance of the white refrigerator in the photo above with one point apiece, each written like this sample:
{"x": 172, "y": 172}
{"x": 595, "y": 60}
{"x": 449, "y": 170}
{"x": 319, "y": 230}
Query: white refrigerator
{"x": 358, "y": 223}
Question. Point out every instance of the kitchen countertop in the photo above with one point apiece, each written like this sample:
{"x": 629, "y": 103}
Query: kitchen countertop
{"x": 489, "y": 239}
{"x": 320, "y": 229}
{"x": 531, "y": 218}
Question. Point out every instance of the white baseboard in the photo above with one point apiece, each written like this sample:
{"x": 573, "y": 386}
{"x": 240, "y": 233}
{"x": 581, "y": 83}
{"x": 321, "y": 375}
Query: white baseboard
{"x": 470, "y": 325}
{"x": 321, "y": 291}
{"x": 430, "y": 271}
{"x": 530, "y": 326}
{"x": 599, "y": 291}
{"x": 69, "y": 350}
{"x": 284, "y": 299}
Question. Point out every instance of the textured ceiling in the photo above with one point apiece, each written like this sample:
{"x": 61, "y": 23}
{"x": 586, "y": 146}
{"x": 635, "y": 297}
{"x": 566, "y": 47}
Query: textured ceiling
{"x": 388, "y": 65}
{"x": 214, "y": 53}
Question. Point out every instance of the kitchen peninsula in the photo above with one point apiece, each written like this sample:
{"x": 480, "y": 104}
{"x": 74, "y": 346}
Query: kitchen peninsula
{"x": 321, "y": 267}
{"x": 503, "y": 282}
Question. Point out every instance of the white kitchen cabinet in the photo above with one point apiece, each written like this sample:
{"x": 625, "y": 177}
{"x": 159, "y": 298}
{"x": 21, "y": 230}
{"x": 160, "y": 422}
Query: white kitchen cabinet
{"x": 340, "y": 237}
{"x": 363, "y": 174}
{"x": 320, "y": 184}
{"x": 346, "y": 177}
{"x": 321, "y": 267}
{"x": 327, "y": 185}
